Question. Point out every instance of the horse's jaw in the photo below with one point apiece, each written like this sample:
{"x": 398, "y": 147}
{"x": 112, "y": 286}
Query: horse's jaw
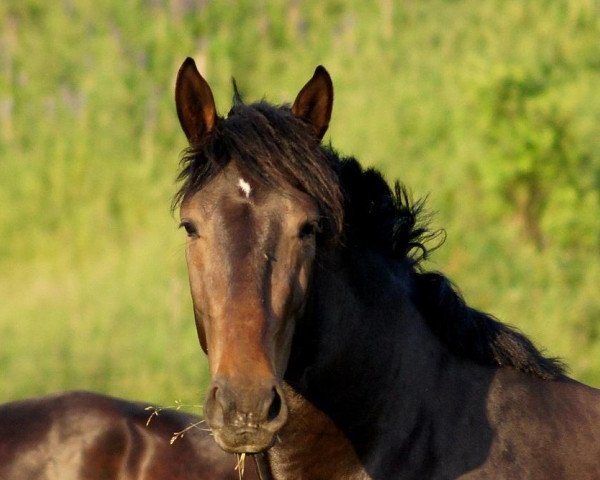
{"x": 310, "y": 445}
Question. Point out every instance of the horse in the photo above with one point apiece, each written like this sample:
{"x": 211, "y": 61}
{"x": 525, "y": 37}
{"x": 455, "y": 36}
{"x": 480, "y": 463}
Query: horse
{"x": 330, "y": 347}
{"x": 87, "y": 436}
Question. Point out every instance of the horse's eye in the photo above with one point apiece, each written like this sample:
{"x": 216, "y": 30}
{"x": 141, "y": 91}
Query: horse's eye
{"x": 308, "y": 230}
{"x": 189, "y": 228}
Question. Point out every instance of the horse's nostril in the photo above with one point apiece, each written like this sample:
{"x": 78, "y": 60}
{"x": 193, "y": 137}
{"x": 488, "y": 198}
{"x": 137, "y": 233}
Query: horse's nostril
{"x": 215, "y": 406}
{"x": 215, "y": 395}
{"x": 275, "y": 407}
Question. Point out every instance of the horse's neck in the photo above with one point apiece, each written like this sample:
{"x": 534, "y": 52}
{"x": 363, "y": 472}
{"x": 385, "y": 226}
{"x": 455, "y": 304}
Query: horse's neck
{"x": 311, "y": 446}
{"x": 378, "y": 371}
{"x": 368, "y": 338}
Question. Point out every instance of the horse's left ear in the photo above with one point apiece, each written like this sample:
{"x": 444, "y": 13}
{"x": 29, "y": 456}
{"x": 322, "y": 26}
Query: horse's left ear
{"x": 195, "y": 103}
{"x": 315, "y": 101}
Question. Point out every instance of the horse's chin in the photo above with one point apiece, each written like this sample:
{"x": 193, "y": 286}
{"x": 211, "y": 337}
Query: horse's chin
{"x": 246, "y": 441}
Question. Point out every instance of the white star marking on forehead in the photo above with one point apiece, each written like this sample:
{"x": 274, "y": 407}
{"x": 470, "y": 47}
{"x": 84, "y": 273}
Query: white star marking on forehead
{"x": 245, "y": 187}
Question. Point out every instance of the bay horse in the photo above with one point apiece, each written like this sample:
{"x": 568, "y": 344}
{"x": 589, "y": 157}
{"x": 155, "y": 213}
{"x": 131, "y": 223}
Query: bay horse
{"x": 88, "y": 436}
{"x": 329, "y": 346}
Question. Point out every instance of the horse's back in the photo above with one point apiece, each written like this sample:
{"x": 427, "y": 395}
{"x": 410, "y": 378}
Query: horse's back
{"x": 81, "y": 435}
{"x": 543, "y": 429}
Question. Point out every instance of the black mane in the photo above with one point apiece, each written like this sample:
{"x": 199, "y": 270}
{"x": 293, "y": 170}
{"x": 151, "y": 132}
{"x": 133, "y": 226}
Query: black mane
{"x": 391, "y": 222}
{"x": 274, "y": 146}
{"x": 379, "y": 218}
{"x": 360, "y": 210}
{"x": 476, "y": 335}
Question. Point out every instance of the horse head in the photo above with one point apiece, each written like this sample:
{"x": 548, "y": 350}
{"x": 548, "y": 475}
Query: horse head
{"x": 252, "y": 231}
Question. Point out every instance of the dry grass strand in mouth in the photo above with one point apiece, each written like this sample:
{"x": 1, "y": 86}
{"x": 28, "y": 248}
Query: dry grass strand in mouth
{"x": 241, "y": 463}
{"x": 155, "y": 411}
{"x": 181, "y": 433}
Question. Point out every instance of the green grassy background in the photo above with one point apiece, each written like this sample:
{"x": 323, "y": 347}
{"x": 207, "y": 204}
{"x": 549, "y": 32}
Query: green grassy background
{"x": 489, "y": 107}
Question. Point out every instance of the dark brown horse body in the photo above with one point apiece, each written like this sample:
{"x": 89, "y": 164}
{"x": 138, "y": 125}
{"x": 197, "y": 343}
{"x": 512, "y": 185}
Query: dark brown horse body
{"x": 328, "y": 346}
{"x": 86, "y": 436}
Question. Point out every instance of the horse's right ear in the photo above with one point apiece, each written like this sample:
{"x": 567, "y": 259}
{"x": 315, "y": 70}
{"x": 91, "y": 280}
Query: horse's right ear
{"x": 315, "y": 101}
{"x": 195, "y": 103}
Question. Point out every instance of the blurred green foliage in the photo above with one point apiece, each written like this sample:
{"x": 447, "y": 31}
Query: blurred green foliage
{"x": 489, "y": 107}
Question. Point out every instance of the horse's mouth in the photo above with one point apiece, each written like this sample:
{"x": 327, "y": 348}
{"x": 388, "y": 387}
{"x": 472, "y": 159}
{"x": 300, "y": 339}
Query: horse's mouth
{"x": 244, "y": 439}
{"x": 245, "y": 424}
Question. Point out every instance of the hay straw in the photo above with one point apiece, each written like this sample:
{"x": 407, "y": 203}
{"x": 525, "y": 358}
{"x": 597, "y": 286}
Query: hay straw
{"x": 155, "y": 412}
{"x": 241, "y": 463}
{"x": 181, "y": 433}
{"x": 178, "y": 406}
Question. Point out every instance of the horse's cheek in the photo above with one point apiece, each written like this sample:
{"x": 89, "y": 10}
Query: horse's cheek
{"x": 198, "y": 291}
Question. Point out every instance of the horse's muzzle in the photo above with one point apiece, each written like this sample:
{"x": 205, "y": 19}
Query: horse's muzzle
{"x": 245, "y": 419}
